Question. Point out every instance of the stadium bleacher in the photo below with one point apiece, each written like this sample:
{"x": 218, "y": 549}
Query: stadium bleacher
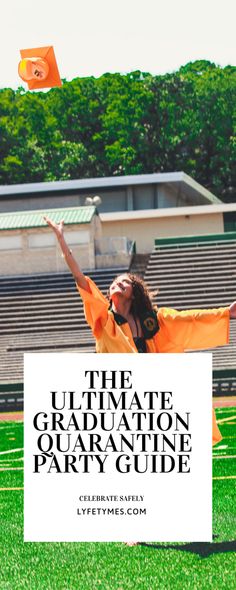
{"x": 43, "y": 313}
{"x": 195, "y": 273}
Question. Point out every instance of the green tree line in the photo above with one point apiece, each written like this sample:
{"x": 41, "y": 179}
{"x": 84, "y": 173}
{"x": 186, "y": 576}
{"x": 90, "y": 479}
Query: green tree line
{"x": 124, "y": 124}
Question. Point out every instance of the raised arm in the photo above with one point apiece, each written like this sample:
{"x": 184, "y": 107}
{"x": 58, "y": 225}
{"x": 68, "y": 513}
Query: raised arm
{"x": 194, "y": 329}
{"x": 58, "y": 229}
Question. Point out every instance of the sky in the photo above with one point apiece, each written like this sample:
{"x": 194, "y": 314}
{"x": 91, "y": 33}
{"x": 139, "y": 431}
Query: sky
{"x": 91, "y": 37}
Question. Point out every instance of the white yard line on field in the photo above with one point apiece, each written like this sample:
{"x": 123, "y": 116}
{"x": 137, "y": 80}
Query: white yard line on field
{"x": 9, "y": 489}
{"x": 11, "y": 451}
{"x": 225, "y": 477}
{"x": 226, "y": 419}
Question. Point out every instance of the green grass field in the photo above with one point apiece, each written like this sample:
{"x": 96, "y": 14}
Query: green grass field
{"x": 114, "y": 566}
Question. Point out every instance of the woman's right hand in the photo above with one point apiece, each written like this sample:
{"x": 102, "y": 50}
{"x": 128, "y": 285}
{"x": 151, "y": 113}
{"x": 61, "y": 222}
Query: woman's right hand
{"x": 58, "y": 228}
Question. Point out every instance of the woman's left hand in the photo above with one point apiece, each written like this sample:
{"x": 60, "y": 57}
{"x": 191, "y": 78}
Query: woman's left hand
{"x": 232, "y": 310}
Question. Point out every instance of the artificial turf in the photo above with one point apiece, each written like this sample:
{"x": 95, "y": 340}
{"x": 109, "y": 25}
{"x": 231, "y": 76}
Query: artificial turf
{"x": 114, "y": 566}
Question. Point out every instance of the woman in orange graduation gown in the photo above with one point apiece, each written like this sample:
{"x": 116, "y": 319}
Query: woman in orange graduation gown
{"x": 127, "y": 322}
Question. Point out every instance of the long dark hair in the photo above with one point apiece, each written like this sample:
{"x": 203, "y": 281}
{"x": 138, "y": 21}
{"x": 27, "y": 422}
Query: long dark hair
{"x": 142, "y": 297}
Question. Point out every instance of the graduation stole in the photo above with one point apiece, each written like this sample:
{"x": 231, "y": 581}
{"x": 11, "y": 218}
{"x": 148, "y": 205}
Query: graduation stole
{"x": 149, "y": 324}
{"x": 148, "y": 320}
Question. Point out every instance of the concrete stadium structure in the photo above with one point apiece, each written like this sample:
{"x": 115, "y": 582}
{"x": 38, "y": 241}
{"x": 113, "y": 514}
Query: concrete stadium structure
{"x": 118, "y": 193}
{"x": 134, "y": 209}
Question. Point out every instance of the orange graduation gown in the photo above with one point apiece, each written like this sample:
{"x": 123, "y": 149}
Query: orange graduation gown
{"x": 179, "y": 330}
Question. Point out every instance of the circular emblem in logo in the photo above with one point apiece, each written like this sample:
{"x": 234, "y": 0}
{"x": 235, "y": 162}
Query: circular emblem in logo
{"x": 150, "y": 323}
